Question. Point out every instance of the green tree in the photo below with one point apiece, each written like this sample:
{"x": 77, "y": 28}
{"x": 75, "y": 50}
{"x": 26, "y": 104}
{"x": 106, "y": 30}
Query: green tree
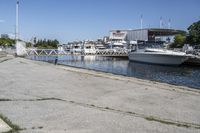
{"x": 179, "y": 41}
{"x": 194, "y": 33}
{"x": 47, "y": 44}
{"x": 6, "y": 42}
{"x": 28, "y": 44}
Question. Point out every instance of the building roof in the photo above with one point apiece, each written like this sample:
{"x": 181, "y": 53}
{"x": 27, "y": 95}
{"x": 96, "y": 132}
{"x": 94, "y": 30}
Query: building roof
{"x": 158, "y": 31}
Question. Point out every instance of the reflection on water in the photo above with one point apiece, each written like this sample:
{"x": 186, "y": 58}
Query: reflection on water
{"x": 183, "y": 75}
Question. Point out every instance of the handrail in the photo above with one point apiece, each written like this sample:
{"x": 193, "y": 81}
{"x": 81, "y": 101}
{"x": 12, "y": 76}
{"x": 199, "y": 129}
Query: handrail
{"x": 49, "y": 52}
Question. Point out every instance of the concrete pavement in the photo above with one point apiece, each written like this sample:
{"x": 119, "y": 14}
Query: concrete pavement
{"x": 43, "y": 98}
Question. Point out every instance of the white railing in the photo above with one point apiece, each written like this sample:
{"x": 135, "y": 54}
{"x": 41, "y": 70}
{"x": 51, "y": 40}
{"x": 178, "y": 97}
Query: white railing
{"x": 52, "y": 52}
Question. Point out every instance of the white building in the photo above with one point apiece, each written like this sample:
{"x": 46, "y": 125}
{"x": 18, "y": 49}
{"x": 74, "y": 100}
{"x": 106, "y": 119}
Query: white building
{"x": 149, "y": 34}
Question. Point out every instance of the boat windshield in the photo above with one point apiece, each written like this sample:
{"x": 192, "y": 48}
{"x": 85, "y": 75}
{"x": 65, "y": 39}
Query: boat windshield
{"x": 143, "y": 46}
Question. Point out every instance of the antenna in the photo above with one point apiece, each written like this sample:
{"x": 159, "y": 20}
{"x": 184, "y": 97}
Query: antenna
{"x": 161, "y": 22}
{"x": 141, "y": 22}
{"x": 17, "y": 21}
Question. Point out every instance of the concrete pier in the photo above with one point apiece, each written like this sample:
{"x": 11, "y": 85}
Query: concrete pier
{"x": 44, "y": 98}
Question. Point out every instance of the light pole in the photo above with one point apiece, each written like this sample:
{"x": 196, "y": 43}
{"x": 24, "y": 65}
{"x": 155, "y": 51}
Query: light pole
{"x": 17, "y": 22}
{"x": 20, "y": 46}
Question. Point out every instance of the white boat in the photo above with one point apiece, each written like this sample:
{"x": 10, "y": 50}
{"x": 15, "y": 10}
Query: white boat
{"x": 76, "y": 48}
{"x": 157, "y": 56}
{"x": 100, "y": 46}
{"x": 89, "y": 48}
{"x": 118, "y": 45}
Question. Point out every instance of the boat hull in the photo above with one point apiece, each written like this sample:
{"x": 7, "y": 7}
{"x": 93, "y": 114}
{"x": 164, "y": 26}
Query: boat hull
{"x": 158, "y": 58}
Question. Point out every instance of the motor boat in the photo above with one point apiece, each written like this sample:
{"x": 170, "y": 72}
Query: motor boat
{"x": 89, "y": 48}
{"x": 76, "y": 48}
{"x": 159, "y": 56}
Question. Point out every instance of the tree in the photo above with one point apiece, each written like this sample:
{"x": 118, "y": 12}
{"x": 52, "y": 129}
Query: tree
{"x": 6, "y": 42}
{"x": 47, "y": 44}
{"x": 194, "y": 33}
{"x": 179, "y": 41}
{"x": 28, "y": 44}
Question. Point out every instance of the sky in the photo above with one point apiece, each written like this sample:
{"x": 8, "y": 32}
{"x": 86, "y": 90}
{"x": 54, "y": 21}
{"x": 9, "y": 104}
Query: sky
{"x": 70, "y": 20}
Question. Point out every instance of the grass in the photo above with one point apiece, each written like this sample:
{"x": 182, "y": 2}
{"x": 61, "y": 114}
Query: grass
{"x": 15, "y": 128}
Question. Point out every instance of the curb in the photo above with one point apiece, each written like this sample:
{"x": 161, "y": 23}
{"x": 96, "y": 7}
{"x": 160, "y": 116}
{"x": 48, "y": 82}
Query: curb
{"x": 6, "y": 58}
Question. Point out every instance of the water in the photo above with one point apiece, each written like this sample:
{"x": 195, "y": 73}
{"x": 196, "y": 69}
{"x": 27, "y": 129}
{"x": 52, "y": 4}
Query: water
{"x": 182, "y": 75}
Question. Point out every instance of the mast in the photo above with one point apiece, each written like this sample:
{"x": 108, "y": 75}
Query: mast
{"x": 161, "y": 22}
{"x": 169, "y": 24}
{"x": 141, "y": 22}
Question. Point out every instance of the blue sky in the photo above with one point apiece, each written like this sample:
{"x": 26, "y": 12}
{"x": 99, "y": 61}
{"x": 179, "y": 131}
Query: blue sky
{"x": 69, "y": 20}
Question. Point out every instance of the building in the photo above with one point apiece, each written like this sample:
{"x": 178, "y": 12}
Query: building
{"x": 145, "y": 35}
{"x": 6, "y": 36}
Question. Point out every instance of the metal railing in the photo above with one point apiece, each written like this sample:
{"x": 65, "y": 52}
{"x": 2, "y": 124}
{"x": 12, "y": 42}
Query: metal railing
{"x": 53, "y": 52}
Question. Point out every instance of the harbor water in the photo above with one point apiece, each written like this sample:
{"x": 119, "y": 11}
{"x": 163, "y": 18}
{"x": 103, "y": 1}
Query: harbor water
{"x": 177, "y": 75}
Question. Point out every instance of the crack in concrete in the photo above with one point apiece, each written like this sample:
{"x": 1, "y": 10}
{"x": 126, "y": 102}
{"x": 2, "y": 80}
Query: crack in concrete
{"x": 146, "y": 117}
{"x": 40, "y": 127}
{"x": 130, "y": 113}
{"x": 39, "y": 99}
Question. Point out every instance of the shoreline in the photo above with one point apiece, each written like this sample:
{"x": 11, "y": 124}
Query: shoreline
{"x": 178, "y": 76}
{"x": 129, "y": 77}
{"x": 122, "y": 77}
{"x": 126, "y": 78}
{"x": 109, "y": 75}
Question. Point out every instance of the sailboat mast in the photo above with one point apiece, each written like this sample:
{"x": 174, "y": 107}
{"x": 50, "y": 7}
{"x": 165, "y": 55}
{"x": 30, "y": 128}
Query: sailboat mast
{"x": 161, "y": 22}
{"x": 169, "y": 24}
{"x": 141, "y": 22}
